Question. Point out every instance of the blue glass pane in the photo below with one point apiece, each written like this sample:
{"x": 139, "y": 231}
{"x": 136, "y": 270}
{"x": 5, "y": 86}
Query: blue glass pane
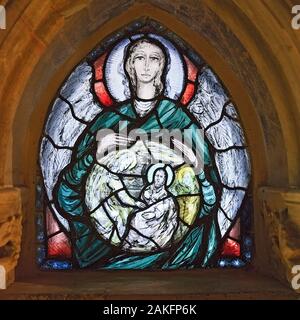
{"x": 56, "y": 265}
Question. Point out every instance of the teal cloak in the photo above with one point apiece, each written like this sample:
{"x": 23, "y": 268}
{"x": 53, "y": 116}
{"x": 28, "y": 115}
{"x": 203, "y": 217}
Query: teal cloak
{"x": 194, "y": 250}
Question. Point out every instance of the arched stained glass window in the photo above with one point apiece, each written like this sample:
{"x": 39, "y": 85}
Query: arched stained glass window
{"x": 143, "y": 161}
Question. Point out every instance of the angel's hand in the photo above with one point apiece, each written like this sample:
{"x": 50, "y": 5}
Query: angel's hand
{"x": 186, "y": 151}
{"x": 109, "y": 141}
{"x": 141, "y": 205}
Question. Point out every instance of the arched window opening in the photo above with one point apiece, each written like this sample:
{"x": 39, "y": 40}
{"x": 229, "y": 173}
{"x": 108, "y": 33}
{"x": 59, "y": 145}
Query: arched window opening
{"x": 144, "y": 162}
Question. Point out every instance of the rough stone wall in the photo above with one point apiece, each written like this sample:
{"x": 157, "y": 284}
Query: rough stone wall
{"x": 10, "y": 234}
{"x": 280, "y": 211}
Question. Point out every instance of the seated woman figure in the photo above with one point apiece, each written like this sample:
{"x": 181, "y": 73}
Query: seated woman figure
{"x": 153, "y": 228}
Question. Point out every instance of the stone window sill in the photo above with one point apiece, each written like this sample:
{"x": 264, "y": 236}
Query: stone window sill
{"x": 188, "y": 284}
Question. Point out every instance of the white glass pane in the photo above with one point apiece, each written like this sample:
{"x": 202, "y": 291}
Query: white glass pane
{"x": 207, "y": 105}
{"x": 77, "y": 90}
{"x": 61, "y": 126}
{"x": 231, "y": 111}
{"x": 226, "y": 133}
{"x": 52, "y": 161}
{"x": 234, "y": 167}
{"x": 223, "y": 222}
{"x": 231, "y": 201}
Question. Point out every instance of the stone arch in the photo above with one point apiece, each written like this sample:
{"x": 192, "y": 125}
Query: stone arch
{"x": 44, "y": 41}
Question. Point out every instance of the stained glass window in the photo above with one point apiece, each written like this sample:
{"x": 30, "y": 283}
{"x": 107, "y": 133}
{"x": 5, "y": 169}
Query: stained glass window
{"x": 143, "y": 161}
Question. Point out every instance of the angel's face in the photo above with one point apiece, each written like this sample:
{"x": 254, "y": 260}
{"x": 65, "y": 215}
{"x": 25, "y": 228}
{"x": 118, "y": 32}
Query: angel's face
{"x": 147, "y": 62}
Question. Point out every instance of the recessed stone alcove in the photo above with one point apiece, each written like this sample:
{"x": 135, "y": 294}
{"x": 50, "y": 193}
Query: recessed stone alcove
{"x": 252, "y": 48}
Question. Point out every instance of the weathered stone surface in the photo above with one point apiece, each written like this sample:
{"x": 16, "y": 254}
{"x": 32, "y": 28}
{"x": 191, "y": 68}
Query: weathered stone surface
{"x": 280, "y": 210}
{"x": 12, "y": 16}
{"x": 47, "y": 24}
{"x": 126, "y": 285}
{"x": 10, "y": 234}
{"x": 69, "y": 7}
{"x": 10, "y": 203}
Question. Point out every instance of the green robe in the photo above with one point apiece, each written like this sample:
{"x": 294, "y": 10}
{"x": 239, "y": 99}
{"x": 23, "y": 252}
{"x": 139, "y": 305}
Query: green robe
{"x": 197, "y": 247}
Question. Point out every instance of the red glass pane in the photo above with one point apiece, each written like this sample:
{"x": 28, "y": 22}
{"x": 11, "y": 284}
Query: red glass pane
{"x": 235, "y": 231}
{"x": 231, "y": 248}
{"x": 192, "y": 70}
{"x": 52, "y": 225}
{"x": 102, "y": 94}
{"x": 59, "y": 246}
{"x": 98, "y": 65}
{"x": 188, "y": 94}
